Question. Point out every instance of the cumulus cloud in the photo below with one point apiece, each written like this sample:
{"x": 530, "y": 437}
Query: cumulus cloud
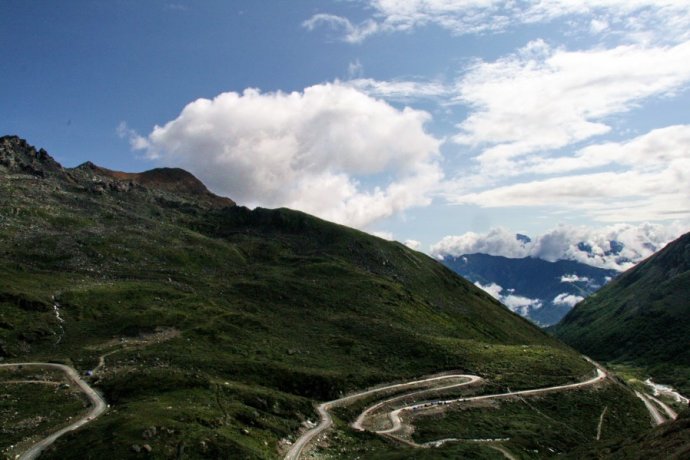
{"x": 637, "y": 19}
{"x": 519, "y": 304}
{"x": 314, "y": 150}
{"x": 617, "y": 247}
{"x": 496, "y": 242}
{"x": 493, "y": 289}
{"x": 568, "y": 300}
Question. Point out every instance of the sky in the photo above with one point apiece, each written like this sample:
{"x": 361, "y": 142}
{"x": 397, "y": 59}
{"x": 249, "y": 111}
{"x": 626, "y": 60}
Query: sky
{"x": 450, "y": 125}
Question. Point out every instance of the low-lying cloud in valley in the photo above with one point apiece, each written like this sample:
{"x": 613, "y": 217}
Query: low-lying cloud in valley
{"x": 566, "y": 299}
{"x": 574, "y": 279}
{"x": 519, "y": 304}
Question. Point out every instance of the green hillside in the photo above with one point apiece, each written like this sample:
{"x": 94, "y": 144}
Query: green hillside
{"x": 641, "y": 318}
{"x": 220, "y": 326}
{"x": 666, "y": 442}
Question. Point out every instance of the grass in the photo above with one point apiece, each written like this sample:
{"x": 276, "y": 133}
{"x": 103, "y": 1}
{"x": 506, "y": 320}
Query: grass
{"x": 286, "y": 308}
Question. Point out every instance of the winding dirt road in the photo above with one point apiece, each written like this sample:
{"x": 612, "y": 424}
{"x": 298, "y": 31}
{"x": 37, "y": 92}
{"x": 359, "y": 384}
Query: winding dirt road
{"x": 98, "y": 407}
{"x": 394, "y": 415}
{"x": 326, "y": 420}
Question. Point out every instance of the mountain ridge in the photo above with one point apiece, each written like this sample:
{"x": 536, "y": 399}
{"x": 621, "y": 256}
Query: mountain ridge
{"x": 18, "y": 156}
{"x": 641, "y": 317}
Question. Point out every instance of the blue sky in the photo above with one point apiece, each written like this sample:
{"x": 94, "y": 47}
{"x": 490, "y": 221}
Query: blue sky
{"x": 417, "y": 120}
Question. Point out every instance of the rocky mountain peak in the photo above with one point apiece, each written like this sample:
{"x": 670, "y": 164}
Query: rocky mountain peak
{"x": 18, "y": 156}
{"x": 171, "y": 180}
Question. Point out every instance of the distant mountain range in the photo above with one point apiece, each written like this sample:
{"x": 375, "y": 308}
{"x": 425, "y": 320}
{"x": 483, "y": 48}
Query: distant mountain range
{"x": 539, "y": 290}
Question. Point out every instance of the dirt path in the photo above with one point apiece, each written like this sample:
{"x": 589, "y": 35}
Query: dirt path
{"x": 98, "y": 406}
{"x": 97, "y": 402}
{"x": 394, "y": 416}
{"x": 601, "y": 422}
{"x": 326, "y": 420}
{"x": 506, "y": 453}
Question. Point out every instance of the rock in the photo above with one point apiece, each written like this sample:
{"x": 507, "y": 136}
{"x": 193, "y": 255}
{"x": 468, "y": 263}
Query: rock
{"x": 149, "y": 432}
{"x": 146, "y": 448}
{"x": 135, "y": 448}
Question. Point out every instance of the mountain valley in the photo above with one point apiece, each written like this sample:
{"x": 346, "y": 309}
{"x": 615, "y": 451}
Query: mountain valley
{"x": 213, "y": 331}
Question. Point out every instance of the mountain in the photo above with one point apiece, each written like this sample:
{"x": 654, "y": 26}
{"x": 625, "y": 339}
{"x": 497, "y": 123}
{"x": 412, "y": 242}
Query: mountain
{"x": 212, "y": 330}
{"x": 539, "y": 290}
{"x": 173, "y": 180}
{"x": 640, "y": 318}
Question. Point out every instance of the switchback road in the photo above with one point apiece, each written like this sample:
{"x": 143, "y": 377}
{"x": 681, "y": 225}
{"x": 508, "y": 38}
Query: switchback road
{"x": 394, "y": 415}
{"x": 326, "y": 420}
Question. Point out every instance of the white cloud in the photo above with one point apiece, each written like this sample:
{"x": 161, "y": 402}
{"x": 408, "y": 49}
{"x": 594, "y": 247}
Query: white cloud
{"x": 541, "y": 98}
{"x": 313, "y": 150}
{"x": 635, "y": 19}
{"x": 384, "y": 235}
{"x": 574, "y": 279}
{"x": 519, "y": 304}
{"x": 413, "y": 244}
{"x": 352, "y": 33}
{"x": 496, "y": 242}
{"x": 493, "y": 289}
{"x": 527, "y": 109}
{"x": 567, "y": 299}
{"x": 355, "y": 69}
{"x": 597, "y": 26}
{"x": 592, "y": 246}
{"x": 646, "y": 179}
{"x": 401, "y": 90}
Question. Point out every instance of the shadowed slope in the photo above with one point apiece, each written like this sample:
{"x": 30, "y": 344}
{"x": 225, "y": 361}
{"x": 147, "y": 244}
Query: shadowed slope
{"x": 641, "y": 317}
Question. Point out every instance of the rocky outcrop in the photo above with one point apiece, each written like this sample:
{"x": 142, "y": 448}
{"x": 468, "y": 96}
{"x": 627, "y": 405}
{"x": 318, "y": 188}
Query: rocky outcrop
{"x": 17, "y": 156}
{"x": 170, "y": 186}
{"x": 174, "y": 181}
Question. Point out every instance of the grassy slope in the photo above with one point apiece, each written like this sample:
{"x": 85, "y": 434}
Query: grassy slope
{"x": 667, "y": 442}
{"x": 275, "y": 309}
{"x": 640, "y": 318}
{"x": 542, "y": 426}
